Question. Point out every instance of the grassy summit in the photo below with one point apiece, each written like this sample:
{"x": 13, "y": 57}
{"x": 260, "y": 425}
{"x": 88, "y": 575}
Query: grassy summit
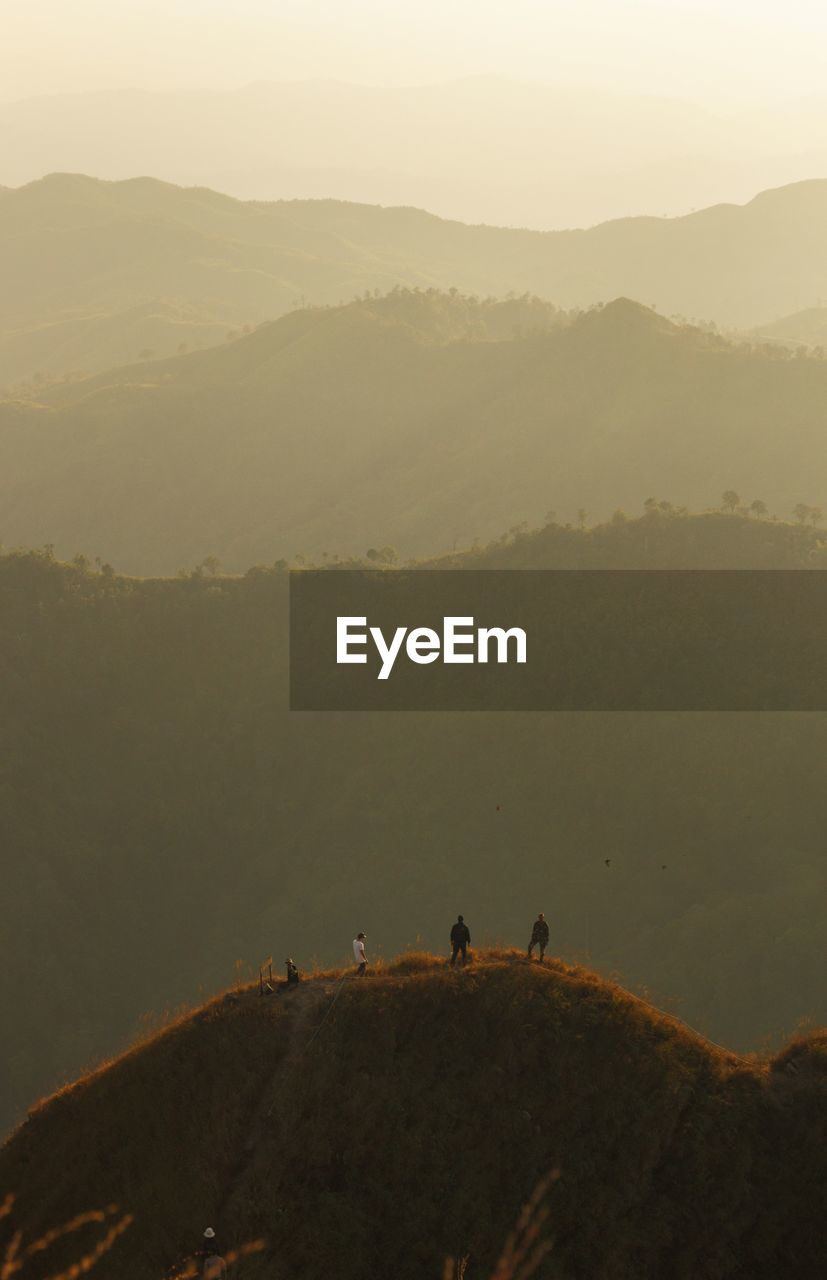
{"x": 376, "y": 1128}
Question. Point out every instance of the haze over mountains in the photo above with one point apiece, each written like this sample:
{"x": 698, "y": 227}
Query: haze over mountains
{"x": 97, "y": 272}
{"x": 485, "y": 287}
{"x": 480, "y": 149}
{"x": 416, "y": 420}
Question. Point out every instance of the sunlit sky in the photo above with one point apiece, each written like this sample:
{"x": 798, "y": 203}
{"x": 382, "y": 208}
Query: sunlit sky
{"x": 721, "y": 52}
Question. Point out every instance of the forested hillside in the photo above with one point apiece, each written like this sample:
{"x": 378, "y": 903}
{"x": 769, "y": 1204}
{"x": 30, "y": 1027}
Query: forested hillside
{"x": 97, "y": 273}
{"x": 163, "y": 816}
{"x": 420, "y": 421}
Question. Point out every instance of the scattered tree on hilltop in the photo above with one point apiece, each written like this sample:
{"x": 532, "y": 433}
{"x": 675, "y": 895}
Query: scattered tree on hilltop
{"x": 381, "y": 555}
{"x": 803, "y": 512}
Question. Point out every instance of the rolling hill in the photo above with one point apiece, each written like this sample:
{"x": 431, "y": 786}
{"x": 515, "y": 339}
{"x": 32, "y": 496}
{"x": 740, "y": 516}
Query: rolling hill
{"x": 382, "y": 1127}
{"x": 165, "y": 818}
{"x": 75, "y": 251}
{"x": 806, "y": 328}
{"x": 416, "y": 420}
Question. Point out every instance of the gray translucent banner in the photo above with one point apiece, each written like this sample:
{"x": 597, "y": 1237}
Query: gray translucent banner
{"x": 558, "y": 640}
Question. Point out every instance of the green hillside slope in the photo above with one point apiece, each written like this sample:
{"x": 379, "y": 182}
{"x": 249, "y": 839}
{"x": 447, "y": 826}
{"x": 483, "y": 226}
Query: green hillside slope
{"x": 383, "y": 1126}
{"x": 163, "y": 817}
{"x": 411, "y": 421}
{"x": 74, "y": 248}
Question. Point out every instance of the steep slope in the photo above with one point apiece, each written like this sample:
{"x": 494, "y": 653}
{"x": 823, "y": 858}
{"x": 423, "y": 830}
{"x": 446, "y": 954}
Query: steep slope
{"x": 400, "y": 421}
{"x": 379, "y": 1127}
{"x": 74, "y": 248}
{"x": 165, "y": 818}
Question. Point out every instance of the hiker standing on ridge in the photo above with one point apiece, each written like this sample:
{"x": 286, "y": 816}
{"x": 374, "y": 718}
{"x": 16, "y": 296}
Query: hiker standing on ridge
{"x": 215, "y": 1268}
{"x": 292, "y": 972}
{"x": 460, "y": 940}
{"x": 539, "y": 936}
{"x": 359, "y": 955}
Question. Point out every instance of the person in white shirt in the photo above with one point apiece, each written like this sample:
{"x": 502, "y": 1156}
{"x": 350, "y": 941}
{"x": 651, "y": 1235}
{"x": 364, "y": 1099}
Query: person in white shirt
{"x": 359, "y": 954}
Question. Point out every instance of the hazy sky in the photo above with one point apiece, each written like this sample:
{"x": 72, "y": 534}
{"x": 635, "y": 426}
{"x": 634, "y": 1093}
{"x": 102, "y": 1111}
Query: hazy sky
{"x": 723, "y": 52}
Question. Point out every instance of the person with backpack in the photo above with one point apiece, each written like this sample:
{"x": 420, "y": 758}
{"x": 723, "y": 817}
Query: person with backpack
{"x": 215, "y": 1268}
{"x": 292, "y": 972}
{"x": 539, "y": 936}
{"x": 460, "y": 941}
{"x": 359, "y": 955}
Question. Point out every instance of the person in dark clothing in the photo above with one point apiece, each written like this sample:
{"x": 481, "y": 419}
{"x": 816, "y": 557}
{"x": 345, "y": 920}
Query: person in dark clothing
{"x": 213, "y": 1266}
{"x": 539, "y": 936}
{"x": 460, "y": 940}
{"x": 292, "y": 972}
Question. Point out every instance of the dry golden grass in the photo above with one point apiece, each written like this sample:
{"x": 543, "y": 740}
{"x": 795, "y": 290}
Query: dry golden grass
{"x": 17, "y": 1254}
{"x": 522, "y": 1254}
{"x": 232, "y": 1258}
{"x": 526, "y": 1245}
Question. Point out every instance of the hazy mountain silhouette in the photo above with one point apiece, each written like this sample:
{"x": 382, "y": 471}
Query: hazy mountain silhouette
{"x": 480, "y": 149}
{"x": 407, "y": 421}
{"x": 98, "y": 272}
{"x": 806, "y": 328}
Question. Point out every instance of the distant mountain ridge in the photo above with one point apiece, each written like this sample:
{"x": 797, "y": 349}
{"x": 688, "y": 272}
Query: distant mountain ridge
{"x": 807, "y": 328}
{"x": 479, "y": 149}
{"x": 75, "y": 250}
{"x": 419, "y": 420}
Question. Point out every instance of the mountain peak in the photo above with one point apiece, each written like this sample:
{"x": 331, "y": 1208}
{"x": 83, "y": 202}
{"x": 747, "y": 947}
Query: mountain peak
{"x": 624, "y": 316}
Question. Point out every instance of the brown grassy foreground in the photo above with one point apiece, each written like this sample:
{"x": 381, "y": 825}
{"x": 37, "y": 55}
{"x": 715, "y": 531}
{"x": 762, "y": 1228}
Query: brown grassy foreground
{"x": 377, "y": 1128}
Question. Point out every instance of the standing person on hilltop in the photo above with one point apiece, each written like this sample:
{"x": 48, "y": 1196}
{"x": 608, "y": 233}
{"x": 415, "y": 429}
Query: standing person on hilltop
{"x": 460, "y": 940}
{"x": 539, "y": 936}
{"x": 359, "y": 955}
{"x": 214, "y": 1268}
